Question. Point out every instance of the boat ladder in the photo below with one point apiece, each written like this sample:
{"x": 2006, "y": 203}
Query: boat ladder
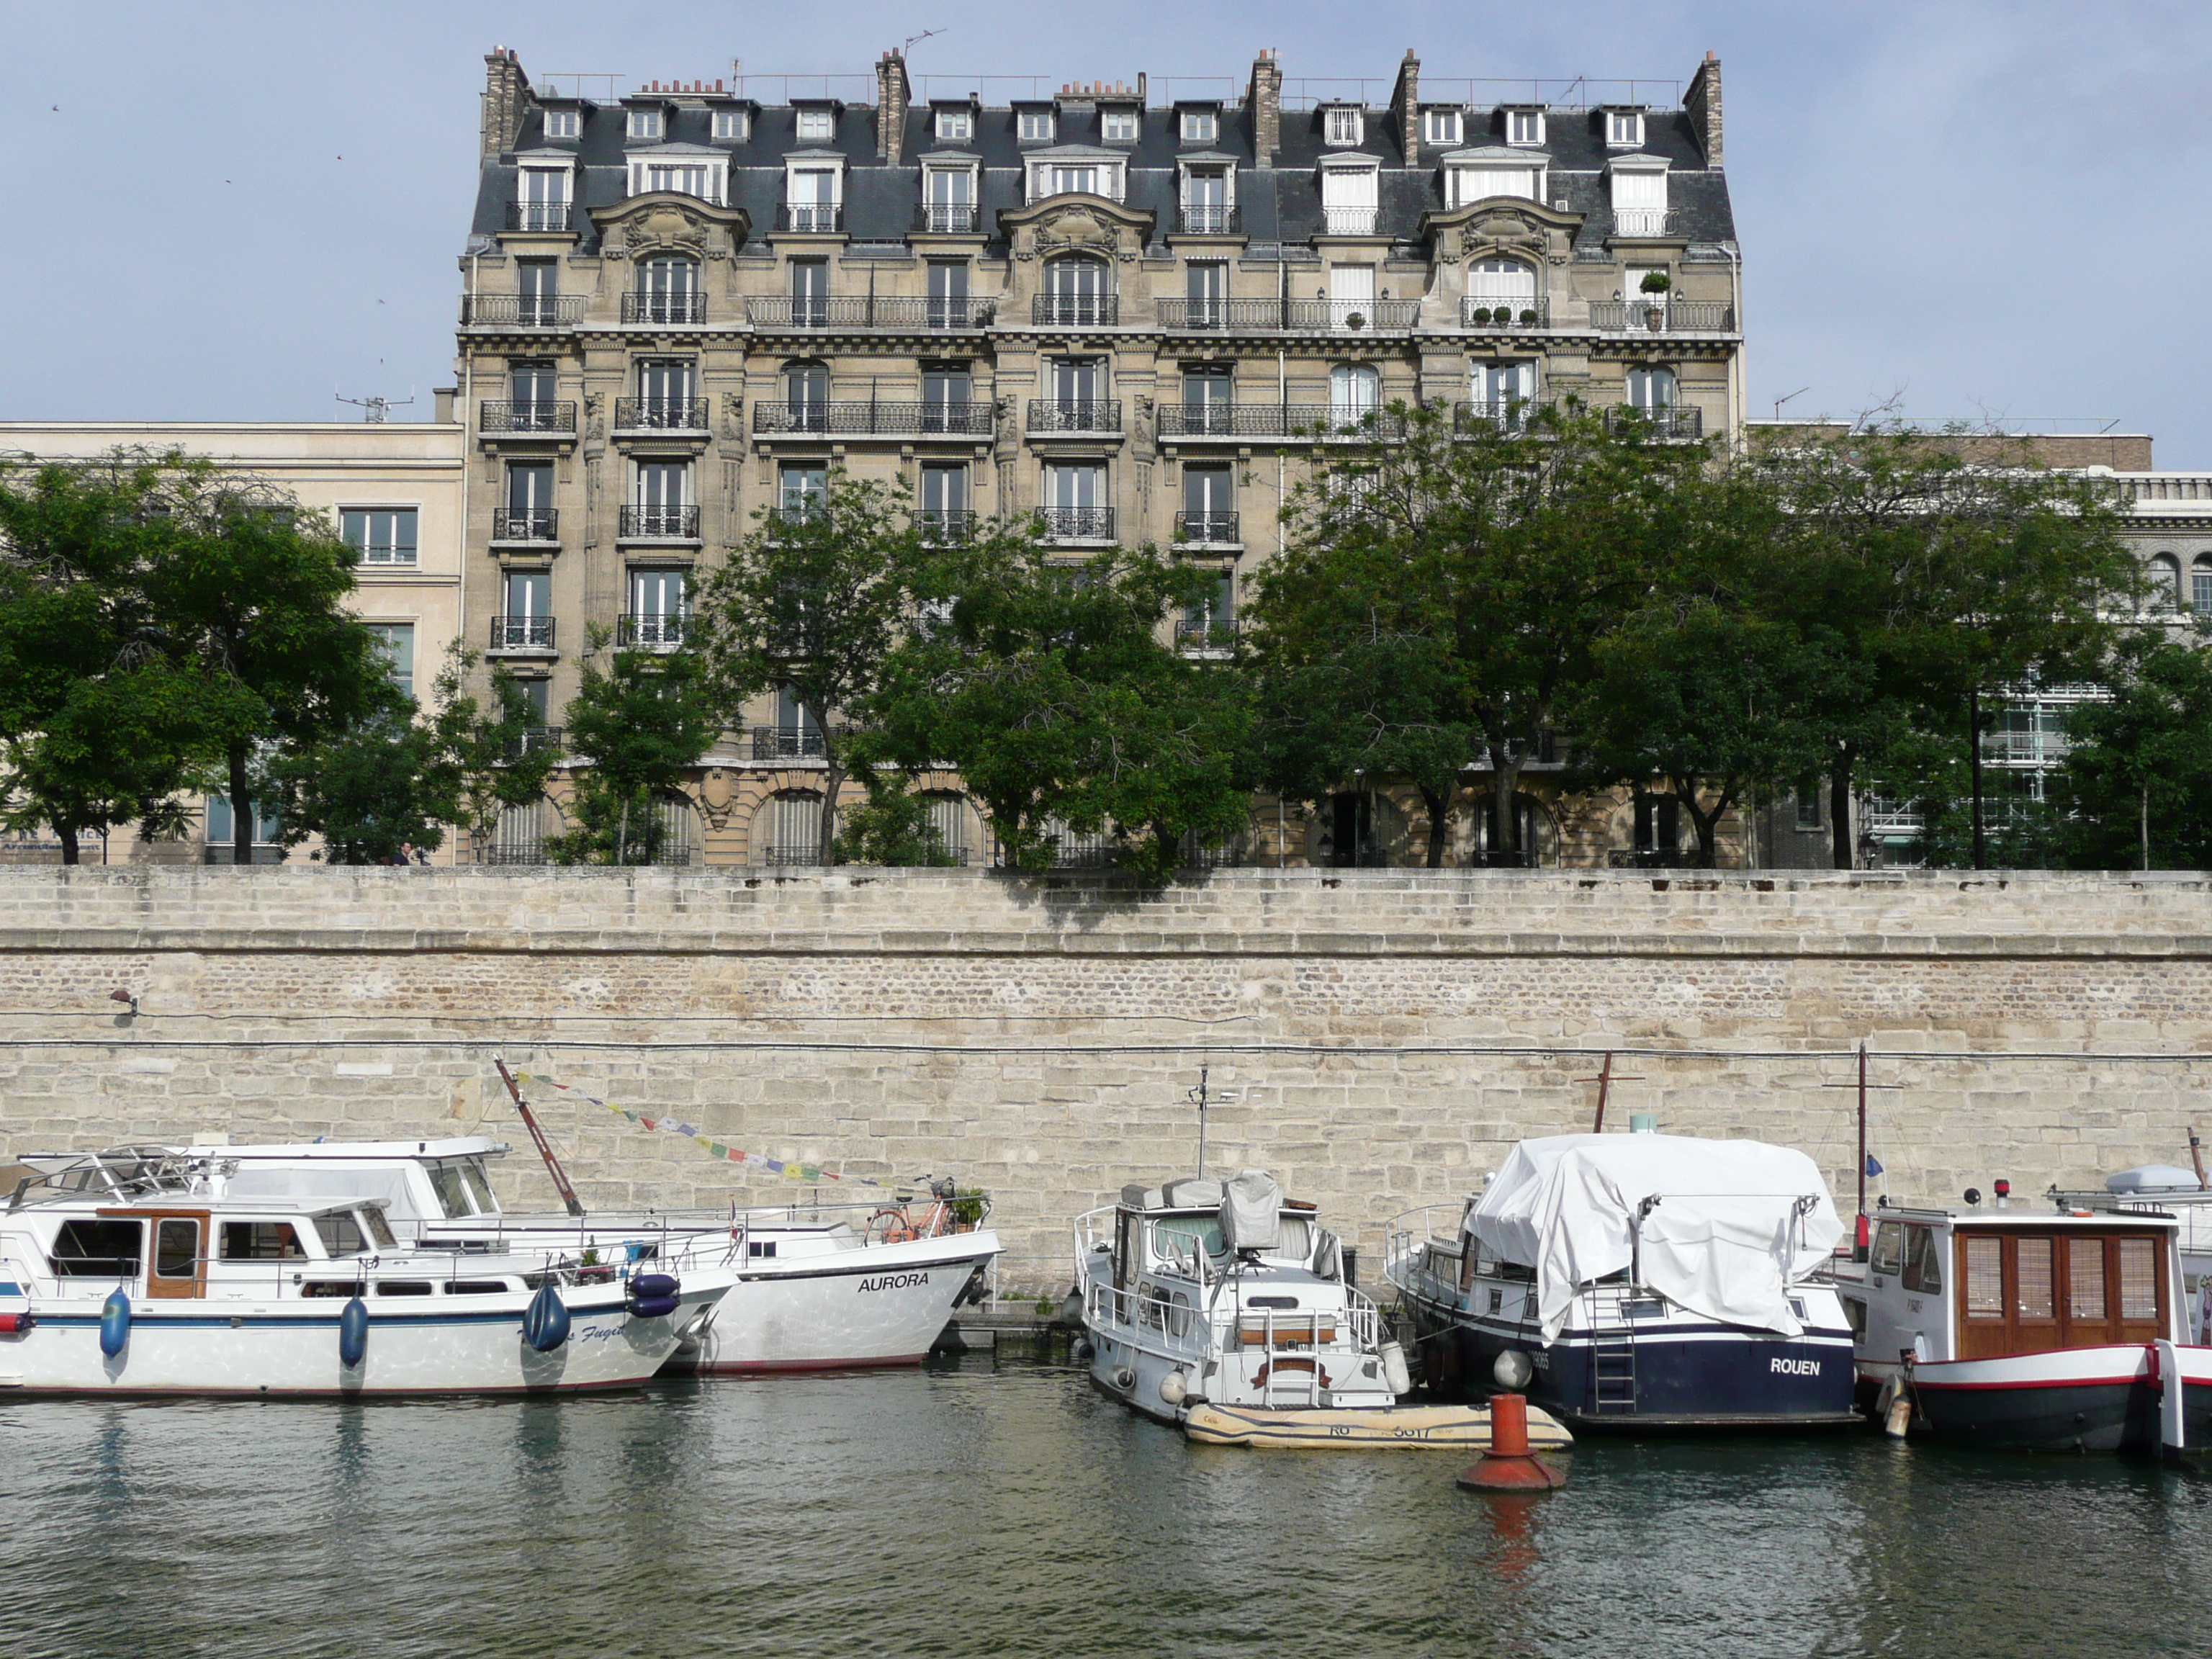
{"x": 1613, "y": 1359}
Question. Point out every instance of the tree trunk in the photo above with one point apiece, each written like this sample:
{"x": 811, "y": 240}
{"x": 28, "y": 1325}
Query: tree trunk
{"x": 1504, "y": 774}
{"x": 1707, "y": 824}
{"x": 1974, "y": 770}
{"x": 66, "y": 834}
{"x": 1439, "y": 807}
{"x": 241, "y": 810}
{"x": 833, "y": 785}
{"x": 1839, "y": 808}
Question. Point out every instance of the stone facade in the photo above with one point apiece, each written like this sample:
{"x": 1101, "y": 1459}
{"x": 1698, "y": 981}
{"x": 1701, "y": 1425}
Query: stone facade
{"x": 1378, "y": 1039}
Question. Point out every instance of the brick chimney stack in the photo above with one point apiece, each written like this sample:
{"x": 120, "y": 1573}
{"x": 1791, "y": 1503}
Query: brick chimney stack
{"x": 1264, "y": 98}
{"x": 1703, "y": 104}
{"x": 506, "y": 100}
{"x": 893, "y": 96}
{"x": 1406, "y": 105}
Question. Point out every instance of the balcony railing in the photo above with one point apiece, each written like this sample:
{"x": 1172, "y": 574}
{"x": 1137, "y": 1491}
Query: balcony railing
{"x": 673, "y": 524}
{"x": 870, "y": 311}
{"x": 1671, "y": 423}
{"x": 971, "y": 419}
{"x": 1216, "y": 528}
{"x": 1058, "y": 415}
{"x": 1209, "y": 219}
{"x": 1654, "y": 315}
{"x": 1643, "y": 221}
{"x": 775, "y": 743}
{"x": 810, "y": 218}
{"x": 663, "y": 307}
{"x": 651, "y": 632}
{"x": 1076, "y": 310}
{"x": 547, "y": 415}
{"x": 946, "y": 218}
{"x": 660, "y": 415}
{"x": 521, "y": 310}
{"x": 1350, "y": 221}
{"x": 1483, "y": 311}
{"x": 940, "y": 524}
{"x": 1206, "y": 633}
{"x": 1499, "y": 415}
{"x": 526, "y": 524}
{"x": 522, "y": 633}
{"x": 1292, "y": 316}
{"x": 534, "y": 741}
{"x": 1078, "y": 524}
{"x": 1211, "y": 420}
{"x": 540, "y": 215}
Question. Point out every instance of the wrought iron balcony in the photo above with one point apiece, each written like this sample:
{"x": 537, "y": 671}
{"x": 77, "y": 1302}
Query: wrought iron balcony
{"x": 1217, "y": 528}
{"x": 1200, "y": 420}
{"x": 1499, "y": 415}
{"x": 1667, "y": 423}
{"x": 546, "y": 416}
{"x": 1482, "y": 311}
{"x": 1281, "y": 421}
{"x": 522, "y": 633}
{"x": 945, "y": 525}
{"x": 1350, "y": 221}
{"x": 1078, "y": 524}
{"x": 776, "y": 742}
{"x": 660, "y": 415}
{"x": 1092, "y": 415}
{"x": 1644, "y": 222}
{"x": 967, "y": 419}
{"x": 673, "y": 524}
{"x": 540, "y": 215}
{"x": 810, "y": 218}
{"x": 1195, "y": 632}
{"x": 1209, "y": 219}
{"x": 526, "y": 524}
{"x": 534, "y": 741}
{"x": 1654, "y": 314}
{"x": 651, "y": 633}
{"x": 900, "y": 311}
{"x": 809, "y": 510}
{"x": 1076, "y": 310}
{"x": 663, "y": 308}
{"x": 521, "y": 310}
{"x": 947, "y": 219}
{"x": 1290, "y": 316}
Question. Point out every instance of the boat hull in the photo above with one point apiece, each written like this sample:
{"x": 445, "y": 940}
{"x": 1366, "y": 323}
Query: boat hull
{"x": 1457, "y": 1428}
{"x": 2090, "y": 1399}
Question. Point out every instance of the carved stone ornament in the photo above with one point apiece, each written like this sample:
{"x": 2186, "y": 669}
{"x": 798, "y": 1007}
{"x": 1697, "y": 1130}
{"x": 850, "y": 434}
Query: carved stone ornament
{"x": 717, "y": 795}
{"x": 734, "y": 415}
{"x": 595, "y": 411}
{"x": 665, "y": 228}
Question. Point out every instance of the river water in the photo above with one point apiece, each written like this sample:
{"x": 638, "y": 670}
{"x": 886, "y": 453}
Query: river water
{"x": 965, "y": 1509}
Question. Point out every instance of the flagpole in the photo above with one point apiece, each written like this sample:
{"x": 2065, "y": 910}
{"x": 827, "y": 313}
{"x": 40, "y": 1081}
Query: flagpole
{"x": 1859, "y": 1239}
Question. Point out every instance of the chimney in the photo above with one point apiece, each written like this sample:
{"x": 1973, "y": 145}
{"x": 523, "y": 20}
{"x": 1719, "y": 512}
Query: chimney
{"x": 1703, "y": 104}
{"x": 506, "y": 100}
{"x": 893, "y": 96}
{"x": 1406, "y": 103}
{"x": 442, "y": 403}
{"x": 1264, "y": 98}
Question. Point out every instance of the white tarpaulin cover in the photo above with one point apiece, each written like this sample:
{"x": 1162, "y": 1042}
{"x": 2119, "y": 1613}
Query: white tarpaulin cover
{"x": 1724, "y": 1239}
{"x": 1252, "y": 1212}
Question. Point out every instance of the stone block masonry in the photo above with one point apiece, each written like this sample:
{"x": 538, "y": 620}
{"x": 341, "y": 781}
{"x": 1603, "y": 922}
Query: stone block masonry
{"x": 1377, "y": 1038}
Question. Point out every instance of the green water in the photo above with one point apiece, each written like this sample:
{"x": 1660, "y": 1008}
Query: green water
{"x": 965, "y": 1510}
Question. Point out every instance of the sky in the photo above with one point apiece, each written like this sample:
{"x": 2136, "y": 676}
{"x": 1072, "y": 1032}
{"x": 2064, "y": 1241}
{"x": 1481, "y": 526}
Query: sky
{"x": 225, "y": 210}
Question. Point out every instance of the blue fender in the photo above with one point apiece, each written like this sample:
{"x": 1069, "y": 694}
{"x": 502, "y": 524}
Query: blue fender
{"x": 353, "y": 1332}
{"x": 114, "y": 1323}
{"x": 545, "y": 1323}
{"x": 647, "y": 1286}
{"x": 653, "y": 1307}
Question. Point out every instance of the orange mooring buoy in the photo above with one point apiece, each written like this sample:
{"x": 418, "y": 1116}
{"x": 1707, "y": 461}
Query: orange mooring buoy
{"x": 1508, "y": 1465}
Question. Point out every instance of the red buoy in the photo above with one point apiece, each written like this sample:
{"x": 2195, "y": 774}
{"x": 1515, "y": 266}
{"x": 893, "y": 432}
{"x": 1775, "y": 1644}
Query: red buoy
{"x": 1508, "y": 1465}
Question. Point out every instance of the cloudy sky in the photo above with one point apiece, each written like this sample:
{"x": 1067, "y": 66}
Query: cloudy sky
{"x": 238, "y": 211}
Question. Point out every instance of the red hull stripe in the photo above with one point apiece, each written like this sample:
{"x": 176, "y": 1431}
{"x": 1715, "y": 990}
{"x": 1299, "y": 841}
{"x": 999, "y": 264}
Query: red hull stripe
{"x": 2038, "y": 1382}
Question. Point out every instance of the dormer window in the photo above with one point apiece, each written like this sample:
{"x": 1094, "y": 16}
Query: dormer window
{"x": 698, "y": 174}
{"x": 645, "y": 124}
{"x": 1639, "y": 195}
{"x": 1623, "y": 128}
{"x": 1524, "y": 127}
{"x": 1036, "y": 126}
{"x": 1077, "y": 174}
{"x": 1201, "y": 127}
{"x": 1343, "y": 125}
{"x": 817, "y": 125}
{"x": 1440, "y": 127}
{"x": 1118, "y": 126}
{"x": 955, "y": 124}
{"x": 732, "y": 125}
{"x": 562, "y": 124}
{"x": 1475, "y": 175}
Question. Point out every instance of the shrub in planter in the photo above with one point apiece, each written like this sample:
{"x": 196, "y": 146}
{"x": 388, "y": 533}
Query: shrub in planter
{"x": 1656, "y": 282}
{"x": 1529, "y": 316}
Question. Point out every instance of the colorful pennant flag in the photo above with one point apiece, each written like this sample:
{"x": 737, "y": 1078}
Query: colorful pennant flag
{"x": 791, "y": 1170}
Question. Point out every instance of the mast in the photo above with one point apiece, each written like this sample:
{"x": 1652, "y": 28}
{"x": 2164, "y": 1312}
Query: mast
{"x": 575, "y": 1204}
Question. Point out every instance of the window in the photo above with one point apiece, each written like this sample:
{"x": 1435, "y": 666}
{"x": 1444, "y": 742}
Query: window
{"x": 1500, "y": 389}
{"x": 1623, "y": 128}
{"x": 1207, "y": 393}
{"x": 955, "y": 124}
{"x": 817, "y": 125}
{"x": 538, "y": 283}
{"x": 810, "y": 292}
{"x": 2138, "y": 1279}
{"x": 526, "y": 616}
{"x": 2033, "y": 1279}
{"x": 1075, "y": 501}
{"x": 668, "y": 290}
{"x": 1076, "y": 384}
{"x": 811, "y": 198}
{"x": 1808, "y": 804}
{"x": 1206, "y": 287}
{"x": 701, "y": 178}
{"x": 381, "y": 535}
{"x": 656, "y": 608}
{"x": 948, "y": 826}
{"x": 1464, "y": 184}
{"x": 1209, "y": 505}
{"x": 1640, "y": 199}
{"x": 1355, "y": 391}
{"x": 1440, "y": 126}
{"x": 2085, "y": 1280}
{"x": 1651, "y": 390}
{"x": 947, "y": 389}
{"x": 1494, "y": 283}
{"x": 664, "y": 506}
{"x": 1205, "y": 200}
{"x": 733, "y": 125}
{"x": 1888, "y": 1247}
{"x": 944, "y": 501}
{"x": 1923, "y": 1264}
{"x": 664, "y": 393}
{"x": 260, "y": 1240}
{"x": 1070, "y": 180}
{"x": 948, "y": 294}
{"x": 1524, "y": 127}
{"x": 220, "y": 831}
{"x": 530, "y": 387}
{"x": 536, "y": 695}
{"x": 1351, "y": 297}
{"x": 949, "y": 206}
{"x": 801, "y": 488}
{"x": 1658, "y": 828}
{"x": 795, "y": 827}
{"x": 98, "y": 1249}
{"x": 2200, "y": 584}
{"x": 645, "y": 124}
{"x": 1078, "y": 290}
{"x": 1984, "y": 1274}
{"x": 1349, "y": 195}
{"x": 1118, "y": 126}
{"x": 1036, "y": 126}
{"x": 806, "y": 396}
{"x": 543, "y": 199}
{"x": 2166, "y": 581}
{"x": 395, "y": 643}
{"x": 1201, "y": 127}
{"x": 341, "y": 1234}
{"x": 1342, "y": 124}
{"x": 1208, "y": 618}
{"x": 562, "y": 124}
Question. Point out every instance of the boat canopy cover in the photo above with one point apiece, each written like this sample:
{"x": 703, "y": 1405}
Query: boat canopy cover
{"x": 1252, "y": 1212}
{"x": 1725, "y": 1239}
{"x": 2154, "y": 1178}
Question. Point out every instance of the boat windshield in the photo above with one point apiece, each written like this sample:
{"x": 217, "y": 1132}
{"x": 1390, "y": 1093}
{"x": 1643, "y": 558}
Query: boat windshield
{"x": 379, "y": 1228}
{"x": 481, "y": 1187}
{"x": 347, "y": 1232}
{"x": 453, "y": 1195}
{"x": 1178, "y": 1238}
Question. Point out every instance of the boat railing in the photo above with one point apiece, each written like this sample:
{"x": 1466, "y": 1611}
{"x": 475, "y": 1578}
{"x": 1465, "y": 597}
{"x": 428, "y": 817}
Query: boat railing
{"x": 123, "y": 1173}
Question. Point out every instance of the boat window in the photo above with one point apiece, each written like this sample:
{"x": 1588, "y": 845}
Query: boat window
{"x": 1855, "y": 1316}
{"x": 1889, "y": 1246}
{"x": 1176, "y": 1237}
{"x": 379, "y": 1228}
{"x": 402, "y": 1287}
{"x": 344, "y": 1287}
{"x": 1984, "y": 1276}
{"x": 475, "y": 1286}
{"x": 1294, "y": 1241}
{"x": 1178, "y": 1315}
{"x": 177, "y": 1249}
{"x": 452, "y": 1193}
{"x": 98, "y": 1249}
{"x": 1154, "y": 1311}
{"x": 341, "y": 1234}
{"x": 2138, "y": 1279}
{"x": 2032, "y": 1275}
{"x": 2085, "y": 1279}
{"x": 1271, "y": 1302}
{"x": 260, "y": 1240}
{"x": 760, "y": 1247}
{"x": 480, "y": 1186}
{"x": 1923, "y": 1264}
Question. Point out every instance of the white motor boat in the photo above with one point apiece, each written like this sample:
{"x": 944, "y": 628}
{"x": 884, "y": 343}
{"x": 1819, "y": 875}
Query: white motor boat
{"x": 818, "y": 1288}
{"x": 1224, "y": 1311}
{"x": 138, "y": 1272}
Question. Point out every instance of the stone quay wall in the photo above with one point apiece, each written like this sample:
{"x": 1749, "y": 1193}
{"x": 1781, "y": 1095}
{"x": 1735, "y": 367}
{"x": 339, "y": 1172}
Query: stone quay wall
{"x": 1378, "y": 1039}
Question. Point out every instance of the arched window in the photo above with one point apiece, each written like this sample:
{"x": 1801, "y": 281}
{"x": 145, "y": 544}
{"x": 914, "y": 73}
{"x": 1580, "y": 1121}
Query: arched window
{"x": 1536, "y": 838}
{"x": 1493, "y": 282}
{"x": 1078, "y": 289}
{"x": 1650, "y": 389}
{"x": 2200, "y": 584}
{"x": 949, "y": 823}
{"x": 2166, "y": 581}
{"x": 668, "y": 290}
{"x": 1355, "y": 391}
{"x": 793, "y": 821}
{"x": 806, "y": 396}
{"x": 674, "y": 831}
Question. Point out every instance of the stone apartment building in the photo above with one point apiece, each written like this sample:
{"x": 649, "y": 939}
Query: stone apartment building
{"x": 1137, "y": 318}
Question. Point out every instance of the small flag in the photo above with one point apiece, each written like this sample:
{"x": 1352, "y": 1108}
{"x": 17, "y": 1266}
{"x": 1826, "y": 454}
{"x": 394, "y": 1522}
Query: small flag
{"x": 1874, "y": 1165}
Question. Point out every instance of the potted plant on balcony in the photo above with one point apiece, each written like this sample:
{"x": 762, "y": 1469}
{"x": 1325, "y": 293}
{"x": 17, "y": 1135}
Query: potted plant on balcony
{"x": 1655, "y": 285}
{"x": 1529, "y": 318}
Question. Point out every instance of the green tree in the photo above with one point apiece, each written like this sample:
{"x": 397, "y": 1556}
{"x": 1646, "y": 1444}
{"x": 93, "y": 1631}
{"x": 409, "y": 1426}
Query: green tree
{"x": 638, "y": 727}
{"x": 2136, "y": 785}
{"x": 371, "y": 789}
{"x": 496, "y": 754}
{"x": 813, "y": 601}
{"x": 892, "y": 826}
